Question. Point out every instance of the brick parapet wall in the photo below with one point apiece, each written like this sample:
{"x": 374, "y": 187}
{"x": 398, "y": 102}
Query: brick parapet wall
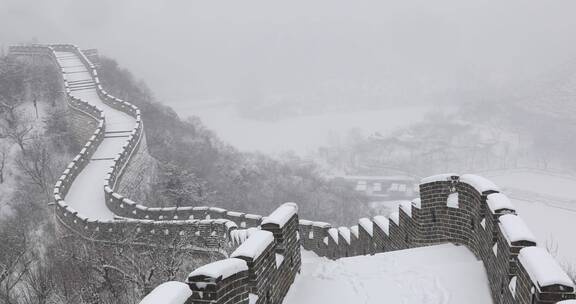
{"x": 470, "y": 223}
{"x": 270, "y": 274}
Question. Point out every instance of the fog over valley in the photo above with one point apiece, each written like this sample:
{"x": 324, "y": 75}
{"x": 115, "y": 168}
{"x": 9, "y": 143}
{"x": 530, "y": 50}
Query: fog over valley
{"x": 268, "y": 61}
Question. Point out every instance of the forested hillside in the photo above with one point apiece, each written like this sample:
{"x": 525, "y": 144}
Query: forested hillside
{"x": 197, "y": 168}
{"x": 528, "y": 125}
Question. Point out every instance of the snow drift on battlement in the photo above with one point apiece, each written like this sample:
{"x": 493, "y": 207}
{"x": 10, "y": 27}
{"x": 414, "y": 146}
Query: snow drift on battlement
{"x": 282, "y": 214}
{"x": 542, "y": 268}
{"x": 417, "y": 203}
{"x": 220, "y": 269}
{"x": 345, "y": 233}
{"x": 168, "y": 293}
{"x": 354, "y": 230}
{"x": 366, "y": 224}
{"x": 255, "y": 245}
{"x": 437, "y": 178}
{"x": 499, "y": 201}
{"x": 479, "y": 183}
{"x": 514, "y": 229}
{"x": 382, "y": 222}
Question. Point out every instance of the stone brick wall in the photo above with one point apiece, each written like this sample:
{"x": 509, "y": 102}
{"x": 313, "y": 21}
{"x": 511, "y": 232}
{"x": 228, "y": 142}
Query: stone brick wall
{"x": 270, "y": 274}
{"x": 432, "y": 219}
{"x": 139, "y": 175}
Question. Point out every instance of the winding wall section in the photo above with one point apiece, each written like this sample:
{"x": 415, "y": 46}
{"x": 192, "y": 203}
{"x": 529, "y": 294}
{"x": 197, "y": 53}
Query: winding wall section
{"x": 466, "y": 210}
{"x": 86, "y": 201}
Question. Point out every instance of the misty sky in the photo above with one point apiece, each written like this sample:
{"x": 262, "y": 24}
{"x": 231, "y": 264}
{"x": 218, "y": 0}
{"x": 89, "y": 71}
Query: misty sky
{"x": 311, "y": 50}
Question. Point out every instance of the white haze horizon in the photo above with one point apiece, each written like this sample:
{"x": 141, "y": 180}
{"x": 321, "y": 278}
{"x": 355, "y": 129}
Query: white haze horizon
{"x": 305, "y": 62}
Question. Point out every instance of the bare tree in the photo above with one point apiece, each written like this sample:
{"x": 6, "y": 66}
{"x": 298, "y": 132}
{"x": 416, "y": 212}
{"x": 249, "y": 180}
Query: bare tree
{"x": 38, "y": 166}
{"x": 127, "y": 270}
{"x": 18, "y": 130}
{"x": 39, "y": 284}
{"x": 15, "y": 259}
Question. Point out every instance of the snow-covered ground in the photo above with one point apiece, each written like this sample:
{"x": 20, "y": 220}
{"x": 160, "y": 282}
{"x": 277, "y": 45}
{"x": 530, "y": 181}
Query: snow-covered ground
{"x": 86, "y": 195}
{"x": 301, "y": 134}
{"x": 440, "y": 274}
{"x": 547, "y": 202}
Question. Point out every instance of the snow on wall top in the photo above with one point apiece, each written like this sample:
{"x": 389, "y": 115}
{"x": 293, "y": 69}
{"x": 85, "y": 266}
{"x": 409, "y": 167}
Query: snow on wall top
{"x": 382, "y": 222}
{"x": 542, "y": 268}
{"x": 345, "y": 233}
{"x": 168, "y": 293}
{"x": 407, "y": 208}
{"x": 366, "y": 224}
{"x": 437, "y": 178}
{"x": 514, "y": 229}
{"x": 479, "y": 183}
{"x": 395, "y": 217}
{"x": 417, "y": 203}
{"x": 499, "y": 201}
{"x": 256, "y": 243}
{"x": 220, "y": 269}
{"x": 354, "y": 230}
{"x": 239, "y": 236}
{"x": 321, "y": 224}
{"x": 333, "y": 232}
{"x": 282, "y": 214}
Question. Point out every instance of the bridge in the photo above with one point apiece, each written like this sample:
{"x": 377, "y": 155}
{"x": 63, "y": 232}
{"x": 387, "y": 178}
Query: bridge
{"x": 260, "y": 256}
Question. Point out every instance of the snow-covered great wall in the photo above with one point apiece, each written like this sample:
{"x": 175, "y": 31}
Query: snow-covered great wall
{"x": 466, "y": 210}
{"x": 261, "y": 255}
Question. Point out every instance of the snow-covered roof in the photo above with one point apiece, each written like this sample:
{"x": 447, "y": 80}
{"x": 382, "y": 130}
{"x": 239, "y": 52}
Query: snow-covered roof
{"x": 395, "y": 217}
{"x": 437, "y": 178}
{"x": 479, "y": 183}
{"x": 499, "y": 201}
{"x": 382, "y": 222}
{"x": 223, "y": 268}
{"x": 407, "y": 208}
{"x": 417, "y": 203}
{"x": 256, "y": 243}
{"x": 282, "y": 214}
{"x": 168, "y": 293}
{"x": 345, "y": 233}
{"x": 333, "y": 232}
{"x": 366, "y": 224}
{"x": 542, "y": 268}
{"x": 514, "y": 229}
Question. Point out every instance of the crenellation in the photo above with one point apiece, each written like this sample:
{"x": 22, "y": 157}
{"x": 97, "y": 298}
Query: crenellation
{"x": 482, "y": 219}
